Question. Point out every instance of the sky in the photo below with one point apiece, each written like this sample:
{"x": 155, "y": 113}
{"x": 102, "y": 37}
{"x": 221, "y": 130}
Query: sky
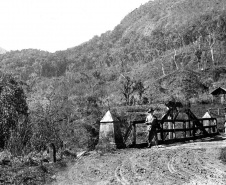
{"x": 53, "y": 25}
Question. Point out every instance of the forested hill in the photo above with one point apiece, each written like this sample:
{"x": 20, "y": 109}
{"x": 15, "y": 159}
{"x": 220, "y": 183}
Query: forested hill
{"x": 155, "y": 40}
{"x": 163, "y": 50}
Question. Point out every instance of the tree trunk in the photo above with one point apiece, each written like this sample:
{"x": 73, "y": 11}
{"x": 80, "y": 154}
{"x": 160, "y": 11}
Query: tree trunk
{"x": 211, "y": 45}
{"x": 163, "y": 70}
{"x": 174, "y": 59}
{"x": 212, "y": 53}
{"x": 198, "y": 65}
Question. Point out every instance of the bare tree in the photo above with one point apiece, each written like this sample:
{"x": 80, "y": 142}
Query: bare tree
{"x": 127, "y": 88}
{"x": 140, "y": 89}
{"x": 211, "y": 42}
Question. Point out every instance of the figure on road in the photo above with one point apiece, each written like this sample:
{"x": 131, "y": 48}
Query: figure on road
{"x": 152, "y": 123}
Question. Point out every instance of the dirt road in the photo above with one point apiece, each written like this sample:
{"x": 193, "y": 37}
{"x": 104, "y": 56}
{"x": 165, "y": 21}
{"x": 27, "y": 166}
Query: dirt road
{"x": 190, "y": 163}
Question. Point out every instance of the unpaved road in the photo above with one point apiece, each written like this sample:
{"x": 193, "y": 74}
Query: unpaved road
{"x": 190, "y": 163}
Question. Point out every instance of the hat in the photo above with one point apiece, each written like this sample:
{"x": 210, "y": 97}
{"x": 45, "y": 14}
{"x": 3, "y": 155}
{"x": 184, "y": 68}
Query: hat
{"x": 151, "y": 110}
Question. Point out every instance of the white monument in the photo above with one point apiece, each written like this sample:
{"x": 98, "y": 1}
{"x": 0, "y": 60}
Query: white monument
{"x": 110, "y": 133}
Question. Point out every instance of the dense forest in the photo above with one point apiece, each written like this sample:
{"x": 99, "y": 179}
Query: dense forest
{"x": 164, "y": 49}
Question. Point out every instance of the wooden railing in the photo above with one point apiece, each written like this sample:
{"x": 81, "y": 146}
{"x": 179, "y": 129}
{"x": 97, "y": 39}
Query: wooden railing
{"x": 177, "y": 130}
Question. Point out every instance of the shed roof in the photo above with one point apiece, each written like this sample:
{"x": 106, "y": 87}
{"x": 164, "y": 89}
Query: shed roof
{"x": 219, "y": 90}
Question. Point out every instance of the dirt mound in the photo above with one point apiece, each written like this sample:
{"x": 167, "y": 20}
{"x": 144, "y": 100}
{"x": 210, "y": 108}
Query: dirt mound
{"x": 191, "y": 163}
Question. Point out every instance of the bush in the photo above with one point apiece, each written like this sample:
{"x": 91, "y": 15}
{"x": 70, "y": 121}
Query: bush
{"x": 204, "y": 99}
{"x": 14, "y": 123}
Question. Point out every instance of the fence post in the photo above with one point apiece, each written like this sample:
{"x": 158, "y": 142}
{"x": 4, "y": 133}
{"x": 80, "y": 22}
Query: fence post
{"x": 161, "y": 130}
{"x": 159, "y": 136}
{"x": 134, "y": 134}
{"x": 193, "y": 129}
{"x": 215, "y": 126}
{"x": 174, "y": 133}
{"x": 190, "y": 133}
{"x": 170, "y": 126}
{"x": 184, "y": 127}
{"x": 187, "y": 127}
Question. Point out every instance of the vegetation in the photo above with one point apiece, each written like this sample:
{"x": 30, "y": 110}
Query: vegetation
{"x": 163, "y": 49}
{"x": 14, "y": 123}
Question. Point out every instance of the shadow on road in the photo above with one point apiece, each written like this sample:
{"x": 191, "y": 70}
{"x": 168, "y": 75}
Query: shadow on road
{"x": 169, "y": 143}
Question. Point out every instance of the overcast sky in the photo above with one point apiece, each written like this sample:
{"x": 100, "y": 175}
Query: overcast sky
{"x": 53, "y": 25}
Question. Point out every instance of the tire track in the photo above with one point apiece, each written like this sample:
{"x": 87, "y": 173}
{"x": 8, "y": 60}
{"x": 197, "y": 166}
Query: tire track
{"x": 170, "y": 165}
{"x": 157, "y": 168}
{"x": 120, "y": 178}
{"x": 191, "y": 163}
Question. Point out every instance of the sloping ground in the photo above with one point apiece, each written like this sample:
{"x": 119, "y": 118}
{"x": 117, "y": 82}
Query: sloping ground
{"x": 190, "y": 163}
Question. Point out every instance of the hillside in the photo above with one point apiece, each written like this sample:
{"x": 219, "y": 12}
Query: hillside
{"x": 162, "y": 50}
{"x": 161, "y": 35}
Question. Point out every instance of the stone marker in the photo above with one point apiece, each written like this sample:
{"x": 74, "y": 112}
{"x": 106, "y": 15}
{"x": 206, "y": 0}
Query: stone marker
{"x": 207, "y": 122}
{"x": 52, "y": 152}
{"x": 110, "y": 133}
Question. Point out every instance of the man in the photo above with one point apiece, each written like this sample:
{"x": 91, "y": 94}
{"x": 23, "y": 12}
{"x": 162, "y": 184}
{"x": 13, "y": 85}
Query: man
{"x": 151, "y": 122}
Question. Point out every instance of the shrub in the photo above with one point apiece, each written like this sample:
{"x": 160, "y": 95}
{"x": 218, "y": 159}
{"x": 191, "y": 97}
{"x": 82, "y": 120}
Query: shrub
{"x": 204, "y": 99}
{"x": 14, "y": 122}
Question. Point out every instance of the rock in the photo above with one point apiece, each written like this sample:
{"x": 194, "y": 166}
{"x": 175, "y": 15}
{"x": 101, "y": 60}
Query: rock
{"x": 68, "y": 153}
{"x": 31, "y": 162}
{"x": 5, "y": 162}
{"x": 80, "y": 154}
{"x": 45, "y": 160}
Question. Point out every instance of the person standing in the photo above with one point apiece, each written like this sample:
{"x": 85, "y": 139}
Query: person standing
{"x": 151, "y": 122}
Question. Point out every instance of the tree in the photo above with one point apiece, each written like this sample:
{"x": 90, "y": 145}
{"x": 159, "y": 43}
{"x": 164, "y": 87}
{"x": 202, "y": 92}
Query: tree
{"x": 50, "y": 110}
{"x": 198, "y": 54}
{"x": 127, "y": 88}
{"x": 139, "y": 88}
{"x": 13, "y": 110}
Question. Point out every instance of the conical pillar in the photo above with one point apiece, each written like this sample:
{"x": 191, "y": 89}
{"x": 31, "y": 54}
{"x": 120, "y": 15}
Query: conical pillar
{"x": 110, "y": 133}
{"x": 207, "y": 122}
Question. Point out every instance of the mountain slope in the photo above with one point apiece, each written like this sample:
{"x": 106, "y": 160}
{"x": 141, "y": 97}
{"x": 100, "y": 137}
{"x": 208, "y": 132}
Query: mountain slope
{"x": 153, "y": 30}
{"x": 166, "y": 49}
{"x": 155, "y": 40}
{"x": 169, "y": 14}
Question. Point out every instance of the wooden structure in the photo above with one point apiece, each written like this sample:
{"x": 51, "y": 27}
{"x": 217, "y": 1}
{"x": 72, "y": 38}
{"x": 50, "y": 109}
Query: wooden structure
{"x": 174, "y": 129}
{"x": 218, "y": 95}
{"x": 52, "y": 152}
{"x": 220, "y": 115}
{"x": 110, "y": 133}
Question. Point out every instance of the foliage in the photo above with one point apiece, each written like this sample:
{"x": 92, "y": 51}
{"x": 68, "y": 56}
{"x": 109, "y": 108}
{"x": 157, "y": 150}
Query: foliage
{"x": 49, "y": 109}
{"x": 163, "y": 49}
{"x": 127, "y": 88}
{"x": 14, "y": 122}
